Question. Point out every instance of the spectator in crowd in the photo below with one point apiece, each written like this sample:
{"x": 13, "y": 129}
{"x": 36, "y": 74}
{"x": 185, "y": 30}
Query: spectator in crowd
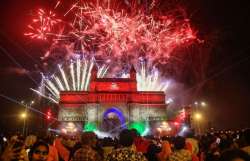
{"x": 15, "y": 150}
{"x": 210, "y": 148}
{"x": 192, "y": 143}
{"x": 66, "y": 145}
{"x": 213, "y": 146}
{"x": 226, "y": 144}
{"x": 39, "y": 152}
{"x": 107, "y": 145}
{"x": 180, "y": 152}
{"x": 53, "y": 153}
{"x": 246, "y": 135}
{"x": 29, "y": 141}
{"x": 235, "y": 155}
{"x": 87, "y": 152}
{"x": 141, "y": 144}
{"x": 152, "y": 151}
{"x": 125, "y": 153}
{"x": 166, "y": 150}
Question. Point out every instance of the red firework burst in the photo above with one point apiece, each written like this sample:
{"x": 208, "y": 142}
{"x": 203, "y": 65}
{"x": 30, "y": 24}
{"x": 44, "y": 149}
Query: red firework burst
{"x": 127, "y": 29}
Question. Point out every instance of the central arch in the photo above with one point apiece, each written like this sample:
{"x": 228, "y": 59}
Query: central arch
{"x": 118, "y": 113}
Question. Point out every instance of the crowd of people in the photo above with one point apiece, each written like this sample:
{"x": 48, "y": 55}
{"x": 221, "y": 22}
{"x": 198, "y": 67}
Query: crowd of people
{"x": 129, "y": 146}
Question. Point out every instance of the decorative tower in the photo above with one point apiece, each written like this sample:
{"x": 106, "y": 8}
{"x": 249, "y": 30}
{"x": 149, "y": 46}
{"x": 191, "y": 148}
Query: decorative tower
{"x": 93, "y": 78}
{"x": 133, "y": 84}
{"x": 132, "y": 73}
{"x": 94, "y": 73}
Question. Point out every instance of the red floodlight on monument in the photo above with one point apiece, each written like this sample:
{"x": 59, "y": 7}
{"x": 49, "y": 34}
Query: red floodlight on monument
{"x": 118, "y": 97}
{"x": 48, "y": 114}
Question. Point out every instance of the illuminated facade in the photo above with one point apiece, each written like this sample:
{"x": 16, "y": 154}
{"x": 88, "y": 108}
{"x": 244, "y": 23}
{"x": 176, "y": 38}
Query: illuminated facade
{"x": 109, "y": 97}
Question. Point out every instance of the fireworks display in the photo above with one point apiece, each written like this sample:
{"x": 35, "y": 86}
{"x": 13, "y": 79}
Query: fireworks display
{"x": 149, "y": 80}
{"x": 75, "y": 77}
{"x": 42, "y": 25}
{"x": 121, "y": 32}
{"x": 126, "y": 32}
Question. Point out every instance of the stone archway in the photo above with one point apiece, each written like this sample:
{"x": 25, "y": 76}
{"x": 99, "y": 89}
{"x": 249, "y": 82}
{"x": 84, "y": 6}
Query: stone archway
{"x": 113, "y": 121}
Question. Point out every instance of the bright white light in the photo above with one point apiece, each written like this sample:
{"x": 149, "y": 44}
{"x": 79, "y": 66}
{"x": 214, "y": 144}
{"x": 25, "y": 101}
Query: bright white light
{"x": 23, "y": 115}
{"x": 57, "y": 130}
{"x": 165, "y": 126}
{"x": 69, "y": 127}
{"x": 164, "y": 123}
{"x": 75, "y": 77}
{"x": 4, "y": 139}
{"x": 170, "y": 100}
{"x": 183, "y": 130}
{"x": 203, "y": 104}
{"x": 145, "y": 132}
{"x": 198, "y": 116}
{"x": 196, "y": 103}
{"x": 101, "y": 134}
{"x": 149, "y": 80}
{"x": 64, "y": 130}
{"x": 159, "y": 129}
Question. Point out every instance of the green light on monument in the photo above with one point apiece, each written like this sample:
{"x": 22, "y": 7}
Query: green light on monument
{"x": 90, "y": 127}
{"x": 139, "y": 126}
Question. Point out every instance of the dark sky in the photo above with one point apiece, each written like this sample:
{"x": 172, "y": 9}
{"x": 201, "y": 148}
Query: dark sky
{"x": 228, "y": 96}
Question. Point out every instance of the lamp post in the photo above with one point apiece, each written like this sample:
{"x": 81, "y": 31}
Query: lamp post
{"x": 203, "y": 104}
{"x": 27, "y": 111}
{"x": 24, "y": 116}
{"x": 200, "y": 106}
{"x": 198, "y": 118}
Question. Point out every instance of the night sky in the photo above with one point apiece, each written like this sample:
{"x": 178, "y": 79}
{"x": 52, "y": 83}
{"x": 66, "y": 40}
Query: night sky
{"x": 227, "y": 91}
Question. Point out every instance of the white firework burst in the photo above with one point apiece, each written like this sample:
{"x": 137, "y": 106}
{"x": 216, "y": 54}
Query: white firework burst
{"x": 150, "y": 80}
{"x": 75, "y": 77}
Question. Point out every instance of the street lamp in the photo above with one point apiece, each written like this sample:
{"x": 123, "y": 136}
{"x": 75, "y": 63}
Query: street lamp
{"x": 198, "y": 118}
{"x": 24, "y": 116}
{"x": 26, "y": 126}
{"x": 199, "y": 106}
{"x": 203, "y": 104}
